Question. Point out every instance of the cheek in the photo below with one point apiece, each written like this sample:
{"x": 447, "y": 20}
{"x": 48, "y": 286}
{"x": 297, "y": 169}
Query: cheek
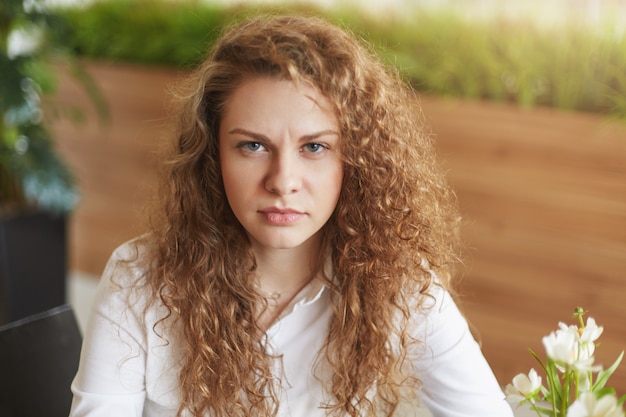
{"x": 234, "y": 185}
{"x": 338, "y": 175}
{"x": 232, "y": 181}
{"x": 333, "y": 185}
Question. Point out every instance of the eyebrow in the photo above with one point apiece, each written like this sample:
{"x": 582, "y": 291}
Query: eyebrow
{"x": 262, "y": 138}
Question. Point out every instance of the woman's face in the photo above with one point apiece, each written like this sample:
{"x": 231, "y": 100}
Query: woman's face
{"x": 280, "y": 161}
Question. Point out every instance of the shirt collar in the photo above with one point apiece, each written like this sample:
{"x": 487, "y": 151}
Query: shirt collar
{"x": 308, "y": 295}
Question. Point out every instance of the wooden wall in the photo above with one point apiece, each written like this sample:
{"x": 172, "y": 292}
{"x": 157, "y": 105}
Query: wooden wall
{"x": 543, "y": 194}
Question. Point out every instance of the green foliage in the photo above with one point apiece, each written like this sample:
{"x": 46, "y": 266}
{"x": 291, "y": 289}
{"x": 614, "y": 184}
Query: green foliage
{"x": 144, "y": 32}
{"x": 151, "y": 32}
{"x": 569, "y": 65}
{"x": 32, "y": 174}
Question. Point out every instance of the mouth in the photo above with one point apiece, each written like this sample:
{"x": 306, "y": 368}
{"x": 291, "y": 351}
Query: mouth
{"x": 281, "y": 217}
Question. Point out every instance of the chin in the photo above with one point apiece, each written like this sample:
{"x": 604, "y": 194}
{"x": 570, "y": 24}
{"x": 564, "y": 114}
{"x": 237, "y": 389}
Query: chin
{"x": 279, "y": 242}
{"x": 284, "y": 239}
{"x": 281, "y": 245}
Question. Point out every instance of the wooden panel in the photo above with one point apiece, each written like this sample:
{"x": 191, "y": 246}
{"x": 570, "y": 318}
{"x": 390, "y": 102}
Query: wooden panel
{"x": 543, "y": 194}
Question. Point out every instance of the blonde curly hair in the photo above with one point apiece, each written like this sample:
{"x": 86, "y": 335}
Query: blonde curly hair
{"x": 395, "y": 222}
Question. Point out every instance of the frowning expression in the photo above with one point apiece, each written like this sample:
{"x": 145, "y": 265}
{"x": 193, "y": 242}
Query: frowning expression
{"x": 280, "y": 161}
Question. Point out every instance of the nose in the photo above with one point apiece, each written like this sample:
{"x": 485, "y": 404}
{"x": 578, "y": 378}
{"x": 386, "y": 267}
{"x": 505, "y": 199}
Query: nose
{"x": 284, "y": 175}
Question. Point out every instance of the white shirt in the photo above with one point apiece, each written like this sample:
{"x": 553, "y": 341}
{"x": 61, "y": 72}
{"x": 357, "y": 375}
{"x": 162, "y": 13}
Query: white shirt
{"x": 128, "y": 370}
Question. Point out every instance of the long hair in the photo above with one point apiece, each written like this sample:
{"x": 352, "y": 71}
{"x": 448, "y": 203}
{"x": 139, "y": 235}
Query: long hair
{"x": 394, "y": 224}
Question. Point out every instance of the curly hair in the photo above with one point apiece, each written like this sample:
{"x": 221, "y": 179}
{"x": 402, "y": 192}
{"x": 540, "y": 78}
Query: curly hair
{"x": 396, "y": 221}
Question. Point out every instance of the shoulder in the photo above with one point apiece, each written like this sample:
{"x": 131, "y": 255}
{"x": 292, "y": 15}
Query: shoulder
{"x": 127, "y": 265}
{"x": 456, "y": 377}
{"x": 124, "y": 285}
{"x": 436, "y": 320}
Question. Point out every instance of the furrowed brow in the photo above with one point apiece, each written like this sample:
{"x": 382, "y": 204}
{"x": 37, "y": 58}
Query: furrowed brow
{"x": 316, "y": 135}
{"x": 252, "y": 135}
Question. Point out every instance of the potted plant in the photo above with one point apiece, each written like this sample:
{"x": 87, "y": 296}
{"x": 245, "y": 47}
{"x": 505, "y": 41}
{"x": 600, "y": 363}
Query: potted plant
{"x": 37, "y": 191}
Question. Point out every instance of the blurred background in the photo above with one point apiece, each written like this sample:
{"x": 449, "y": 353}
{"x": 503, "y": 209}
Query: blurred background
{"x": 526, "y": 102}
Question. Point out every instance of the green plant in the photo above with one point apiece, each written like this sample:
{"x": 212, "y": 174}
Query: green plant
{"x": 153, "y": 32}
{"x": 570, "y": 64}
{"x": 32, "y": 174}
{"x": 575, "y": 386}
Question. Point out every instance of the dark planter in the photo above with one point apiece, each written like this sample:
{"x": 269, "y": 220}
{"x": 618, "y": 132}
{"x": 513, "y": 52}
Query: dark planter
{"x": 33, "y": 264}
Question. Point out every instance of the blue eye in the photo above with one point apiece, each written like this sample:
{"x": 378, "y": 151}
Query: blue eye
{"x": 314, "y": 147}
{"x": 252, "y": 146}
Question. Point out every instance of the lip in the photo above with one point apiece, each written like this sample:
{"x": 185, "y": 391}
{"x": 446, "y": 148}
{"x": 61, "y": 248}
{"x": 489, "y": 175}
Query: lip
{"x": 281, "y": 216}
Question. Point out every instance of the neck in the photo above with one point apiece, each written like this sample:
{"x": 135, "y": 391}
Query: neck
{"x": 282, "y": 274}
{"x": 284, "y": 271}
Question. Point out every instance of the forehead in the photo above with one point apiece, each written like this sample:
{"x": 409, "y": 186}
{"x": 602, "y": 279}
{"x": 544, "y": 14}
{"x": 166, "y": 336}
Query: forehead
{"x": 253, "y": 82}
{"x": 260, "y": 98}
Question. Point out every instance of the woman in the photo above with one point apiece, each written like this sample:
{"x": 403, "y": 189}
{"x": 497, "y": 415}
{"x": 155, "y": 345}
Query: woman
{"x": 299, "y": 263}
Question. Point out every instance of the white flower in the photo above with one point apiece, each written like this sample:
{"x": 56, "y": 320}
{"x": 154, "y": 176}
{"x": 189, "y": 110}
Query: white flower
{"x": 561, "y": 346}
{"x": 566, "y": 347}
{"x": 587, "y": 337}
{"x": 588, "y": 406}
{"x": 523, "y": 387}
{"x": 591, "y": 332}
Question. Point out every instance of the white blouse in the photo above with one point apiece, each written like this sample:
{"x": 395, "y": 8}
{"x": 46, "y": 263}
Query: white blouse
{"x": 128, "y": 370}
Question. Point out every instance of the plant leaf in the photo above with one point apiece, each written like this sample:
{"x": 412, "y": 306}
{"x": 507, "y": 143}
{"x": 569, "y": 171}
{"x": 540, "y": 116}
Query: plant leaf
{"x": 603, "y": 376}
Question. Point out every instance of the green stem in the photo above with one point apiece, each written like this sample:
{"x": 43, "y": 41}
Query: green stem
{"x": 536, "y": 409}
{"x": 566, "y": 393}
{"x": 550, "y": 374}
{"x": 580, "y": 312}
